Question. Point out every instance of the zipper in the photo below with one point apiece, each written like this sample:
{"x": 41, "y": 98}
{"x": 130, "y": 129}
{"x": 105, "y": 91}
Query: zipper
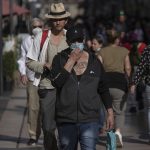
{"x": 78, "y": 83}
{"x": 74, "y": 77}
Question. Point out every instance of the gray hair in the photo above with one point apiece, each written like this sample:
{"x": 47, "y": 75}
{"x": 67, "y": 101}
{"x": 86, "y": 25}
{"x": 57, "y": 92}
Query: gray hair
{"x": 33, "y": 20}
{"x": 36, "y": 20}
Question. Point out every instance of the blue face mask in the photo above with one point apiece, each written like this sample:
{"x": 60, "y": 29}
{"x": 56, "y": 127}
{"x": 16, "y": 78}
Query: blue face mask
{"x": 77, "y": 45}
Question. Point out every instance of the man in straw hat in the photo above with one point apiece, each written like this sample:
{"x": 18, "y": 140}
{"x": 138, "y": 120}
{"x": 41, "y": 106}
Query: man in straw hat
{"x": 40, "y": 59}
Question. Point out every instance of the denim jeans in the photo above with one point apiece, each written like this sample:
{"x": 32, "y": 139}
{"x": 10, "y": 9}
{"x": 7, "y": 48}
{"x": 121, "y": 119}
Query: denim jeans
{"x": 102, "y": 118}
{"x": 72, "y": 133}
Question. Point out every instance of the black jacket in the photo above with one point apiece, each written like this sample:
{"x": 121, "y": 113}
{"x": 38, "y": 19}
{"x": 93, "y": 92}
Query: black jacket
{"x": 79, "y": 101}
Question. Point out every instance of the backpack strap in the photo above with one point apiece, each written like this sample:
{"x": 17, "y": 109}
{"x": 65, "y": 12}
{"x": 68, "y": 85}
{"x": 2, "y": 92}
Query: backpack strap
{"x": 44, "y": 36}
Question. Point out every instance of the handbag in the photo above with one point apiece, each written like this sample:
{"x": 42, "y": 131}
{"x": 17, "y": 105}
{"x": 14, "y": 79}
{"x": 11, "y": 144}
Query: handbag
{"x": 111, "y": 140}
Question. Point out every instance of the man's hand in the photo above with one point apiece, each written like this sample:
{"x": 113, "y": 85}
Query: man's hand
{"x": 75, "y": 55}
{"x": 110, "y": 119}
{"x": 73, "y": 58}
{"x": 24, "y": 79}
{"x": 47, "y": 65}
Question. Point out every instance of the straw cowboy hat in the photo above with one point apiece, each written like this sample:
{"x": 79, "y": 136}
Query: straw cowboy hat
{"x": 57, "y": 11}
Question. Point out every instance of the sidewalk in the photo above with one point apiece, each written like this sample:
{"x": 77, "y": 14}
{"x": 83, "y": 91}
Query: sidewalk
{"x": 13, "y": 129}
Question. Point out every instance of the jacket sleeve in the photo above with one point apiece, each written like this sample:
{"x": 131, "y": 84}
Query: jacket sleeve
{"x": 25, "y": 46}
{"x": 58, "y": 75}
{"x": 32, "y": 56}
{"x": 104, "y": 90}
{"x": 22, "y": 60}
{"x": 35, "y": 66}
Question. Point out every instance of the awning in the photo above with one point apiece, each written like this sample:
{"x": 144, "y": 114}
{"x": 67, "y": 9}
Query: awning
{"x": 16, "y": 9}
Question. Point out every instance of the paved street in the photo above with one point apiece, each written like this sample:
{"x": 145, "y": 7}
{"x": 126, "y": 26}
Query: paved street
{"x": 14, "y": 136}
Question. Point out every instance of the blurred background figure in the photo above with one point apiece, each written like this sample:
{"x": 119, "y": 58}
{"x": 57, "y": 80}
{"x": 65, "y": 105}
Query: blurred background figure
{"x": 117, "y": 66}
{"x": 97, "y": 44}
{"x": 137, "y": 99}
{"x": 143, "y": 73}
{"x": 121, "y": 25}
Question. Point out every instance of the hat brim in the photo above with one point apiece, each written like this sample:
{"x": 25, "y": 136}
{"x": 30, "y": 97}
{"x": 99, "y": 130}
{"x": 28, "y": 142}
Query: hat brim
{"x": 66, "y": 15}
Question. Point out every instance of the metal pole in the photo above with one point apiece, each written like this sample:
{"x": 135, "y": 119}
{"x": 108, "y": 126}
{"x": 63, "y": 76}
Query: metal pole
{"x": 1, "y": 51}
{"x": 11, "y": 17}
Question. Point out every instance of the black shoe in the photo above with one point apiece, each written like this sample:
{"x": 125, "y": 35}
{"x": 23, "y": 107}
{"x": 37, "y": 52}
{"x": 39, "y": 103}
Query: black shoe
{"x": 132, "y": 110}
{"x": 32, "y": 142}
{"x": 140, "y": 106}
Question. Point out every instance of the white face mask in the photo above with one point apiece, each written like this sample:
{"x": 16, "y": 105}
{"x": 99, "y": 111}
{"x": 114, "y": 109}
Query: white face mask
{"x": 37, "y": 30}
{"x": 98, "y": 49}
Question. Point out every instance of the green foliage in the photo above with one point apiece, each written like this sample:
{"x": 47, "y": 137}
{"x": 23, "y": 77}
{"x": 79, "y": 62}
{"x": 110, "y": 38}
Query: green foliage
{"x": 9, "y": 64}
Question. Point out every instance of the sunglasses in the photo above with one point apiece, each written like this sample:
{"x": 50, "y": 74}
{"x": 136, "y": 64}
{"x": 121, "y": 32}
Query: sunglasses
{"x": 36, "y": 27}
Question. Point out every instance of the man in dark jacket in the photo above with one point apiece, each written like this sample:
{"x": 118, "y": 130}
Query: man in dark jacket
{"x": 80, "y": 82}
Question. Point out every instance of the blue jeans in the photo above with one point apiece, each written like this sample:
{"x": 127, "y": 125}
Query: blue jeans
{"x": 102, "y": 118}
{"x": 72, "y": 133}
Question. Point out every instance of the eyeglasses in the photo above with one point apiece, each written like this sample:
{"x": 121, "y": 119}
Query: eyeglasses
{"x": 37, "y": 27}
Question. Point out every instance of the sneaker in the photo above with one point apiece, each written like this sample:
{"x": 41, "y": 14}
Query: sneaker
{"x": 119, "y": 139}
{"x": 32, "y": 142}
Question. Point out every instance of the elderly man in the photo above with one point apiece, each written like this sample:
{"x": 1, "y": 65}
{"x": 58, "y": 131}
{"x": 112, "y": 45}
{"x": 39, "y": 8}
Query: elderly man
{"x": 40, "y": 59}
{"x": 27, "y": 78}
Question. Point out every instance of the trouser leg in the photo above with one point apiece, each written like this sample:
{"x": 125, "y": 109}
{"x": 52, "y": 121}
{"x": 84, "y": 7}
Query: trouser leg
{"x": 68, "y": 136}
{"x": 139, "y": 95}
{"x": 48, "y": 120}
{"x": 33, "y": 121}
{"x": 119, "y": 106}
{"x": 147, "y": 92}
{"x": 88, "y": 133}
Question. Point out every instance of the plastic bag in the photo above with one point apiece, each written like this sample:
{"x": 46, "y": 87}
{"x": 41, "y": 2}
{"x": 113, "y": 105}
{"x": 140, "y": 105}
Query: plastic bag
{"x": 111, "y": 140}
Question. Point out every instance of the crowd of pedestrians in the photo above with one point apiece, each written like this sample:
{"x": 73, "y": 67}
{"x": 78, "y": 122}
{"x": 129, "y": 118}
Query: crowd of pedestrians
{"x": 77, "y": 81}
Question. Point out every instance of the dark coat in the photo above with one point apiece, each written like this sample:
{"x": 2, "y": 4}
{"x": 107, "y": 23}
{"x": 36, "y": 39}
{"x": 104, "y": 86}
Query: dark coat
{"x": 79, "y": 100}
